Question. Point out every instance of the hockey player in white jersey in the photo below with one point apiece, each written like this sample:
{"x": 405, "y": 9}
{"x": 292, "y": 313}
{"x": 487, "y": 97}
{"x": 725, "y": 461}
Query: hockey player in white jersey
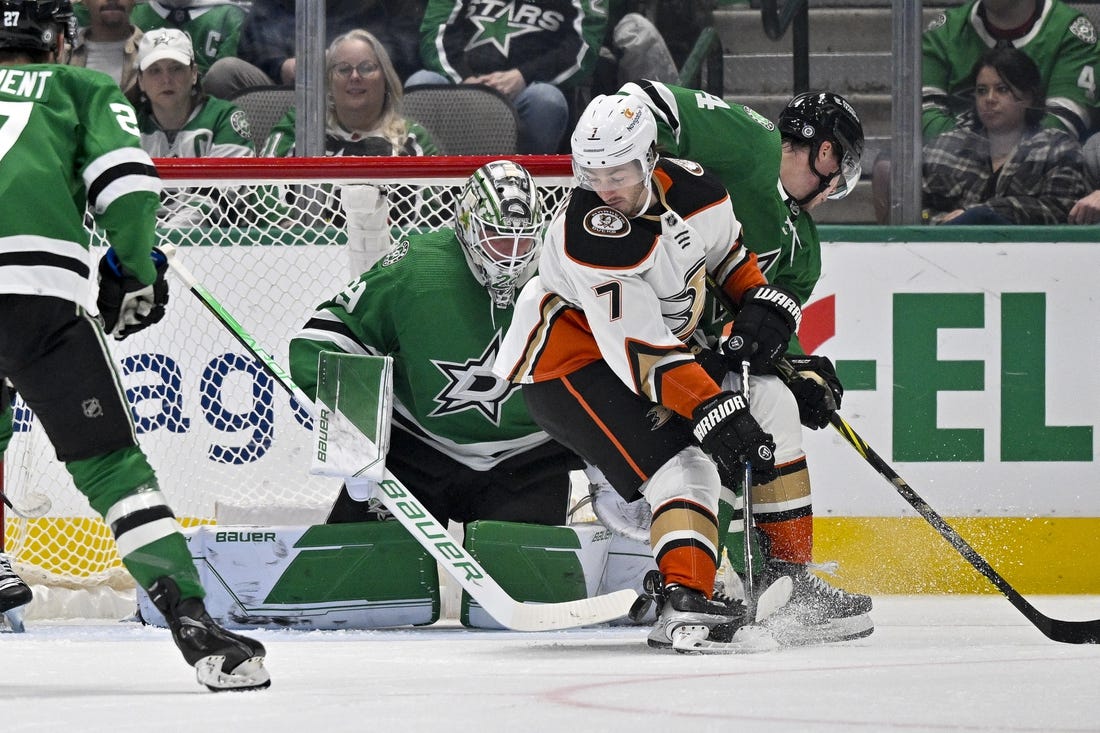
{"x": 602, "y": 341}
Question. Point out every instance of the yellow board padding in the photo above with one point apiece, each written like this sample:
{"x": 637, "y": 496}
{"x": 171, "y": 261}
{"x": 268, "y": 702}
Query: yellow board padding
{"x": 877, "y": 555}
{"x": 906, "y": 555}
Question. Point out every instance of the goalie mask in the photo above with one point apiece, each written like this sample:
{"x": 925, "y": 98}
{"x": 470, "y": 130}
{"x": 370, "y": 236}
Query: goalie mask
{"x": 498, "y": 221}
{"x": 34, "y": 25}
{"x": 614, "y": 143}
{"x": 814, "y": 117}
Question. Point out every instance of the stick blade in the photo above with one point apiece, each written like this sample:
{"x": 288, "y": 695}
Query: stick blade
{"x": 568, "y": 614}
{"x": 1072, "y": 632}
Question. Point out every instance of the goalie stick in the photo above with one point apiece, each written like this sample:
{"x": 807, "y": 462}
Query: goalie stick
{"x": 1067, "y": 632}
{"x": 431, "y": 535}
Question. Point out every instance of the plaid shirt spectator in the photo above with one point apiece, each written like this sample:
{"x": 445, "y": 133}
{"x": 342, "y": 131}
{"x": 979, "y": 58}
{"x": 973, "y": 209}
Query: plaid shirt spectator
{"x": 1037, "y": 185}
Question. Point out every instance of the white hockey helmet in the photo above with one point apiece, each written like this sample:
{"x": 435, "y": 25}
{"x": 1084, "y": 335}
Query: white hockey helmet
{"x": 499, "y": 222}
{"x": 617, "y": 132}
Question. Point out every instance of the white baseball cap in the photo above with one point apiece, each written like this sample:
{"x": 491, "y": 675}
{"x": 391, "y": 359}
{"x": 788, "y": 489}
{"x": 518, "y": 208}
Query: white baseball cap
{"x": 165, "y": 43}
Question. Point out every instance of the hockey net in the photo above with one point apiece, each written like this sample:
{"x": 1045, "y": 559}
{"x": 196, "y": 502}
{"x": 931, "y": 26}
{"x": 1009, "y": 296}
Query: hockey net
{"x": 267, "y": 238}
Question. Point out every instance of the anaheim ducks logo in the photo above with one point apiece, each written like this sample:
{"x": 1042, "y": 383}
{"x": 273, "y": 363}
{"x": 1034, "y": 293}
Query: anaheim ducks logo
{"x": 658, "y": 415}
{"x": 603, "y": 221}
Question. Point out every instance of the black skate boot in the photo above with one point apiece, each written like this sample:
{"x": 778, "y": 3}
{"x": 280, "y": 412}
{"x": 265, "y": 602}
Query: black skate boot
{"x": 14, "y": 595}
{"x": 813, "y": 599}
{"x": 818, "y": 613}
{"x": 222, "y": 660}
{"x": 686, "y": 616}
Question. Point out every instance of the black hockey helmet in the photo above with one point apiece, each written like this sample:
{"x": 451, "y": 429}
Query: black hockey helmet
{"x": 35, "y": 24}
{"x": 814, "y": 117}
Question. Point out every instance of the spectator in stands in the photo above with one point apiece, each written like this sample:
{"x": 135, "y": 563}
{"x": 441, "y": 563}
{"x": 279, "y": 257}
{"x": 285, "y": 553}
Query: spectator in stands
{"x": 177, "y": 120}
{"x": 109, "y": 43}
{"x": 1000, "y": 166}
{"x": 633, "y": 48}
{"x": 363, "y": 118}
{"x": 266, "y": 54}
{"x": 364, "y": 105}
{"x": 534, "y": 57}
{"x": 215, "y": 29}
{"x": 1060, "y": 39}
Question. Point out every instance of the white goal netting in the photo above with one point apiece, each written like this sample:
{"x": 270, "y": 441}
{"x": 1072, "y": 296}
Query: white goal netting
{"x": 267, "y": 238}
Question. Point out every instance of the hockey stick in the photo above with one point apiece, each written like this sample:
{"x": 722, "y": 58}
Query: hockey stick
{"x": 39, "y": 506}
{"x": 1068, "y": 632}
{"x": 431, "y": 535}
{"x": 746, "y": 513}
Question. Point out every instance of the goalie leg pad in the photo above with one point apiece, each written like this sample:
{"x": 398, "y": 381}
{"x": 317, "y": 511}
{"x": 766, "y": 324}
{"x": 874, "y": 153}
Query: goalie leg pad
{"x": 536, "y": 563}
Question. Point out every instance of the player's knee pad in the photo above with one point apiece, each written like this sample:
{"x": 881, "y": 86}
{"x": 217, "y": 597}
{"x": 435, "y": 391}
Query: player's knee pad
{"x": 690, "y": 475}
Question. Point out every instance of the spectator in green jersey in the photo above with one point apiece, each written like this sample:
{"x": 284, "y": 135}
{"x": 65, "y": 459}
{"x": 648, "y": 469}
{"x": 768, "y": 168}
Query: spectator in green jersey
{"x": 177, "y": 120}
{"x": 215, "y": 28}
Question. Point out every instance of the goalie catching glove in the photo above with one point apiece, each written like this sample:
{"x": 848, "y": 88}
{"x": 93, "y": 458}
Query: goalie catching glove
{"x": 726, "y": 430}
{"x": 816, "y": 388}
{"x": 763, "y": 327}
{"x": 127, "y": 305}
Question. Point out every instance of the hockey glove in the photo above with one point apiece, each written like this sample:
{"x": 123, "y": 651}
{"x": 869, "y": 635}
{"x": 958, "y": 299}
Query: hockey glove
{"x": 127, "y": 305}
{"x": 816, "y": 388}
{"x": 726, "y": 430}
{"x": 763, "y": 327}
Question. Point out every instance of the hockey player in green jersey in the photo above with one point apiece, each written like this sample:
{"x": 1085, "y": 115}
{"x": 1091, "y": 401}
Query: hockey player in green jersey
{"x": 438, "y": 303}
{"x": 776, "y": 175}
{"x": 70, "y": 136}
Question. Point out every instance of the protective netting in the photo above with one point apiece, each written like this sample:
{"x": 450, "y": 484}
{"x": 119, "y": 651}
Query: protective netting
{"x": 267, "y": 239}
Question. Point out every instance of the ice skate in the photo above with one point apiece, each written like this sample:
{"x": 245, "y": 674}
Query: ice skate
{"x": 14, "y": 595}
{"x": 814, "y": 600}
{"x": 818, "y": 613}
{"x": 222, "y": 660}
{"x": 687, "y": 618}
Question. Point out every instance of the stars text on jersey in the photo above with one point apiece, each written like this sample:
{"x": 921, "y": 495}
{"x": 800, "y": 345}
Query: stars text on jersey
{"x": 498, "y": 23}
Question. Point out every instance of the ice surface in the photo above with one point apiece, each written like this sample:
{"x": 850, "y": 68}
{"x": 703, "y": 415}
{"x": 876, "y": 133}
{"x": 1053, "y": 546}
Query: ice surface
{"x": 934, "y": 663}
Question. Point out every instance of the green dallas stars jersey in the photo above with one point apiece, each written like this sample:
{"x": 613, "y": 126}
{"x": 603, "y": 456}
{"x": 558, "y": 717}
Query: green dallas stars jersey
{"x": 421, "y": 305}
{"x": 1062, "y": 43}
{"x": 742, "y": 148}
{"x": 69, "y": 140}
{"x": 215, "y": 31}
{"x": 554, "y": 41}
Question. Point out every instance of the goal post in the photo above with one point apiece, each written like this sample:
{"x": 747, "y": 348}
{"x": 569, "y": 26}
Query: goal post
{"x": 268, "y": 236}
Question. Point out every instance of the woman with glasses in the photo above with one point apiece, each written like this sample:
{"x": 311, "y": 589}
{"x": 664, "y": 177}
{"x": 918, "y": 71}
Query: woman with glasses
{"x": 363, "y": 103}
{"x": 363, "y": 118}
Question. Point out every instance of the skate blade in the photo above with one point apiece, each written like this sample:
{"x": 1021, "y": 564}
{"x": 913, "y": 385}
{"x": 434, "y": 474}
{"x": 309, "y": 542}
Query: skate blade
{"x": 789, "y": 632}
{"x": 249, "y": 674}
{"x": 14, "y": 619}
{"x": 746, "y": 640}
